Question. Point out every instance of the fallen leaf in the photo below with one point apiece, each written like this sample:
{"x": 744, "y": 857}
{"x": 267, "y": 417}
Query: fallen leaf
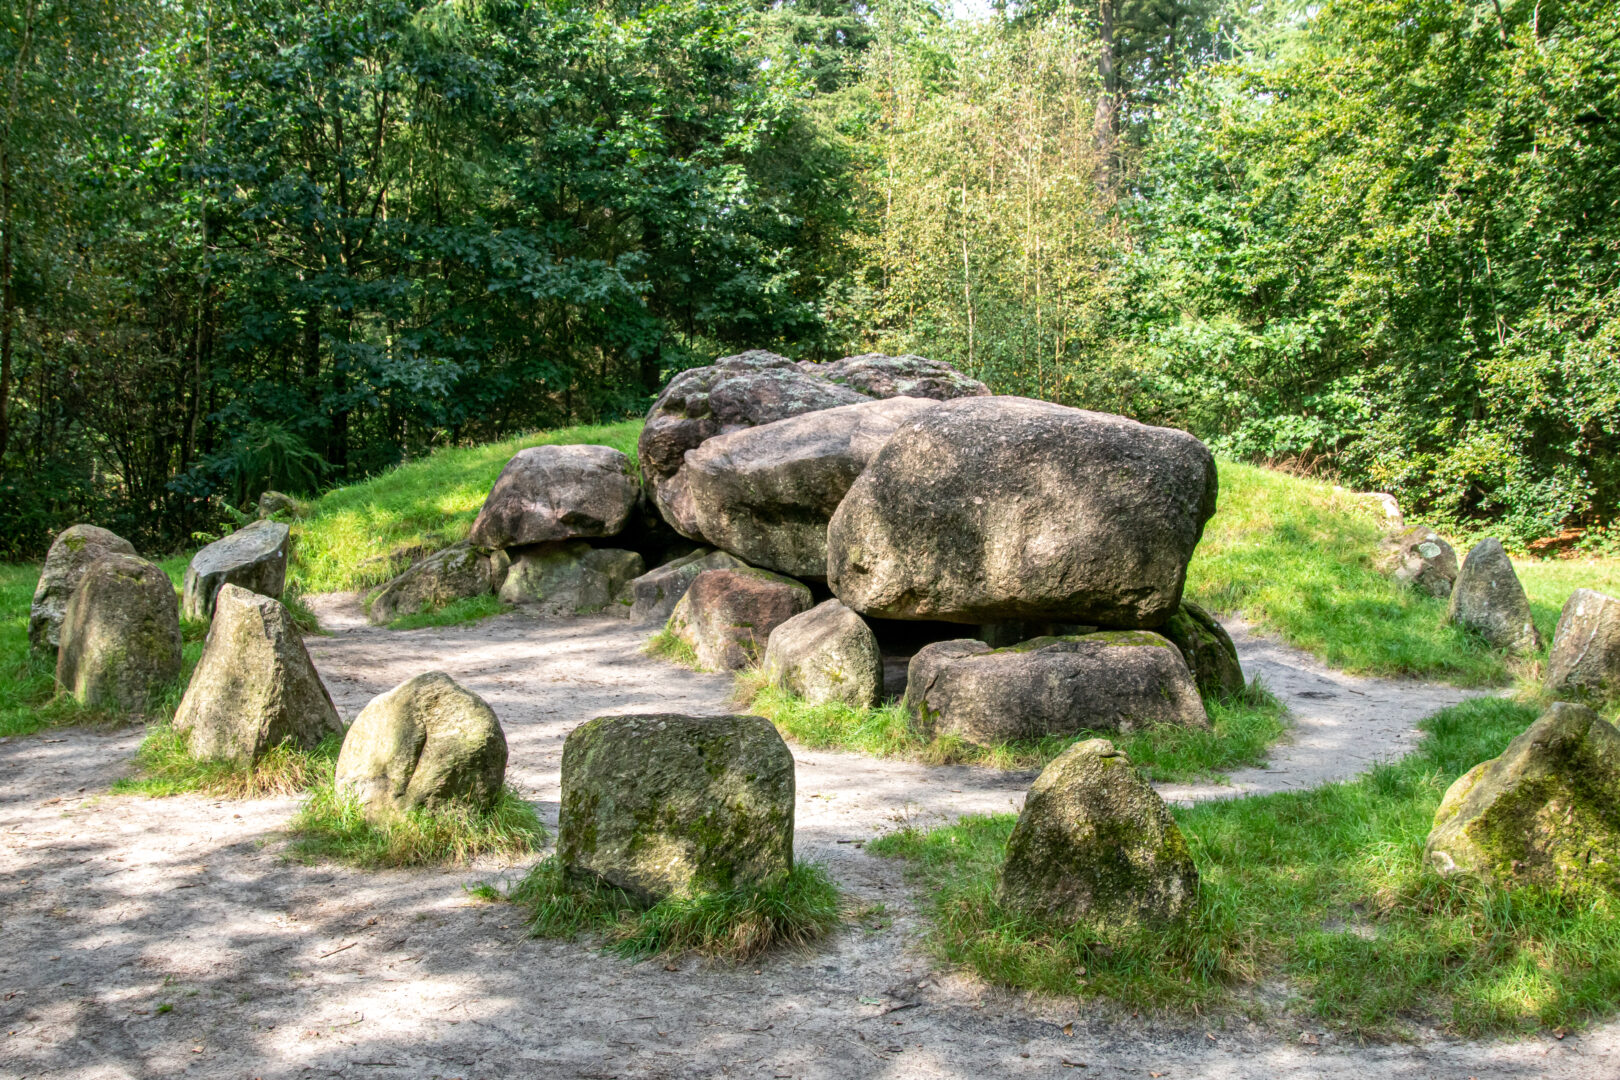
{"x": 1068, "y": 1029}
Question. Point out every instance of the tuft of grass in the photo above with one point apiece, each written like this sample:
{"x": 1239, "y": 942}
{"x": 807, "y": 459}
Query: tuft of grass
{"x": 667, "y": 645}
{"x": 167, "y": 768}
{"x": 1239, "y": 735}
{"x": 1323, "y": 890}
{"x": 732, "y": 924}
{"x": 330, "y": 825}
{"x": 365, "y": 533}
{"x": 469, "y": 609}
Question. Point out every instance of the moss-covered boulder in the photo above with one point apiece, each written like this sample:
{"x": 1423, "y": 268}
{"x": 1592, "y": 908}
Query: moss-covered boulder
{"x": 569, "y": 578}
{"x": 1488, "y": 599}
{"x": 653, "y": 595}
{"x": 1420, "y": 558}
{"x": 1124, "y": 680}
{"x": 254, "y": 687}
{"x": 727, "y": 615}
{"x": 827, "y": 654}
{"x": 1547, "y": 812}
{"x": 275, "y": 504}
{"x": 664, "y": 805}
{"x": 427, "y": 743}
{"x": 1094, "y": 843}
{"x": 549, "y": 493}
{"x": 120, "y": 635}
{"x": 253, "y": 557}
{"x": 1585, "y": 660}
{"x": 70, "y": 556}
{"x": 459, "y": 571}
{"x": 1208, "y": 650}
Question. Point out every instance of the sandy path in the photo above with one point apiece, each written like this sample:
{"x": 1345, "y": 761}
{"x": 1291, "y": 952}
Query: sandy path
{"x": 112, "y": 908}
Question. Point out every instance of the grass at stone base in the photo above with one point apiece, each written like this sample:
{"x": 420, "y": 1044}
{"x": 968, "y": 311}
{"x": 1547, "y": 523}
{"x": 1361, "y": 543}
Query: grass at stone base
{"x": 667, "y": 645}
{"x": 330, "y": 825}
{"x": 733, "y": 924}
{"x": 168, "y": 768}
{"x": 1323, "y": 891}
{"x": 469, "y": 609}
{"x": 1239, "y": 734}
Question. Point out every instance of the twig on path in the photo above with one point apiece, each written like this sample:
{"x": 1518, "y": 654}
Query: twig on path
{"x": 337, "y": 950}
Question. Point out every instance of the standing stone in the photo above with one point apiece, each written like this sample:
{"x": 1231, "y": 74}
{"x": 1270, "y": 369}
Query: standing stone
{"x": 459, "y": 571}
{"x": 120, "y": 635}
{"x": 1585, "y": 657}
{"x": 653, "y": 595}
{"x": 766, "y": 493}
{"x": 1488, "y": 599}
{"x": 827, "y": 654}
{"x": 255, "y": 686}
{"x": 254, "y": 557}
{"x": 727, "y": 615}
{"x": 70, "y": 556}
{"x": 1420, "y": 558}
{"x": 665, "y": 805}
{"x": 569, "y": 578}
{"x": 1547, "y": 812}
{"x": 550, "y": 493}
{"x": 880, "y": 376}
{"x": 993, "y": 509}
{"x": 1125, "y": 680}
{"x": 429, "y": 743}
{"x": 1208, "y": 650}
{"x": 1095, "y": 844}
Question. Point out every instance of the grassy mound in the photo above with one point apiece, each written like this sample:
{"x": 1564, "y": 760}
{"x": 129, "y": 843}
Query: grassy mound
{"x": 330, "y": 825}
{"x": 1322, "y": 890}
{"x": 734, "y": 924}
{"x": 167, "y": 768}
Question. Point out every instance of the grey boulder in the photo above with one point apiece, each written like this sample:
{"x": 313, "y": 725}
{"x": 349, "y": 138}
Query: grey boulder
{"x": 255, "y": 687}
{"x": 274, "y": 503}
{"x": 1585, "y": 659}
{"x": 826, "y": 654}
{"x": 1208, "y": 650}
{"x": 1488, "y": 599}
{"x": 986, "y": 510}
{"x": 70, "y": 556}
{"x": 253, "y": 557}
{"x": 429, "y": 743}
{"x": 568, "y": 578}
{"x": 1420, "y": 558}
{"x": 880, "y": 376}
{"x": 766, "y": 493}
{"x": 455, "y": 573}
{"x": 665, "y": 805}
{"x": 1124, "y": 681}
{"x": 727, "y": 616}
{"x": 653, "y": 595}
{"x": 548, "y": 493}
{"x": 120, "y": 635}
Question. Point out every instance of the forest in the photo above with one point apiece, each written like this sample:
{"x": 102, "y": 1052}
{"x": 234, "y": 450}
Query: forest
{"x": 291, "y": 243}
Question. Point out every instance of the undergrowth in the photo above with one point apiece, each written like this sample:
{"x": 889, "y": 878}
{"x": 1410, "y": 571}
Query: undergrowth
{"x": 331, "y": 825}
{"x": 167, "y": 767}
{"x": 468, "y": 609}
{"x": 668, "y": 645}
{"x": 733, "y": 924}
{"x": 1323, "y": 890}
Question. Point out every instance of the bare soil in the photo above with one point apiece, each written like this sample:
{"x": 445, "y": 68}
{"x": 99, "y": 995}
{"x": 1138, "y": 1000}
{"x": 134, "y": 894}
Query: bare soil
{"x": 147, "y": 938}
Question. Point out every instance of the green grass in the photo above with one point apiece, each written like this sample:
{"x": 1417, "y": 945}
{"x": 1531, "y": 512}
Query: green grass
{"x": 733, "y": 924}
{"x": 365, "y": 533}
{"x": 1323, "y": 891}
{"x": 168, "y": 768}
{"x": 667, "y": 645}
{"x": 469, "y": 609}
{"x": 1239, "y": 734}
{"x": 330, "y": 825}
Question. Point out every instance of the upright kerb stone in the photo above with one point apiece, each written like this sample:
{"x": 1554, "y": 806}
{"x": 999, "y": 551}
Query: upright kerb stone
{"x": 253, "y": 557}
{"x": 727, "y": 615}
{"x": 1488, "y": 599}
{"x": 70, "y": 556}
{"x": 1584, "y": 663}
{"x": 120, "y": 635}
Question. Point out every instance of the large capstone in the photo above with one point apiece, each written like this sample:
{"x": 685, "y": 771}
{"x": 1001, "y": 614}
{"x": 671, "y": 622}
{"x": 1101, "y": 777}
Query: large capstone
{"x": 120, "y": 635}
{"x": 733, "y": 393}
{"x": 568, "y": 578}
{"x": 253, "y": 557}
{"x": 1547, "y": 812}
{"x": 1208, "y": 650}
{"x": 1585, "y": 658}
{"x": 1095, "y": 844}
{"x": 986, "y": 510}
{"x": 665, "y": 805}
{"x": 70, "y": 556}
{"x": 653, "y": 595}
{"x": 827, "y": 654}
{"x": 880, "y": 376}
{"x": 429, "y": 743}
{"x": 1124, "y": 681}
{"x": 455, "y": 573}
{"x": 766, "y": 493}
{"x": 255, "y": 687}
{"x": 1488, "y": 599}
{"x": 548, "y": 493}
{"x": 727, "y": 616}
{"x": 1420, "y": 558}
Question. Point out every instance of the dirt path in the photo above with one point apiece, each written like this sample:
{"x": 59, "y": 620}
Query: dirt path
{"x": 112, "y": 908}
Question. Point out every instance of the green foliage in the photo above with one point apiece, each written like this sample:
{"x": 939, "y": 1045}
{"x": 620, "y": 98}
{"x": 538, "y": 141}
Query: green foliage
{"x": 668, "y": 645}
{"x": 330, "y": 825}
{"x": 1323, "y": 890}
{"x": 167, "y": 767}
{"x": 733, "y": 924}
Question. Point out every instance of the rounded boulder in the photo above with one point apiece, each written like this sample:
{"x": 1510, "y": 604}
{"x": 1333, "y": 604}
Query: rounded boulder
{"x": 120, "y": 635}
{"x": 1488, "y": 599}
{"x": 70, "y": 555}
{"x": 455, "y": 573}
{"x": 727, "y": 616}
{"x": 826, "y": 654}
{"x": 548, "y": 493}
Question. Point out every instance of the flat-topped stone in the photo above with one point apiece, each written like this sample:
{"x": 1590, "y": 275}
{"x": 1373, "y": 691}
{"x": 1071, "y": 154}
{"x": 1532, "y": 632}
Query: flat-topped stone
{"x": 253, "y": 557}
